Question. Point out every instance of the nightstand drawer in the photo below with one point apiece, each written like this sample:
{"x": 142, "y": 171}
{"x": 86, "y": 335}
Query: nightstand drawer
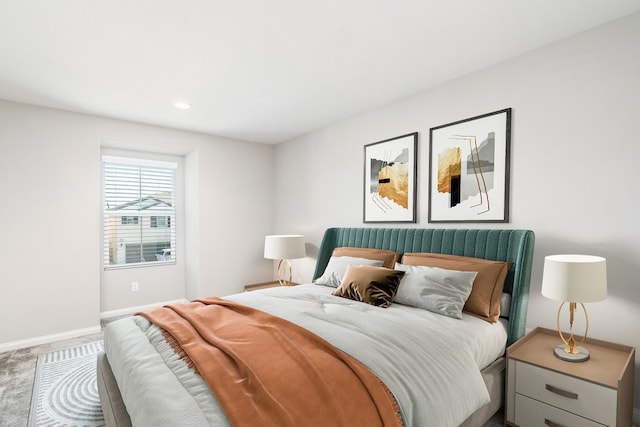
{"x": 583, "y": 398}
{"x": 530, "y": 412}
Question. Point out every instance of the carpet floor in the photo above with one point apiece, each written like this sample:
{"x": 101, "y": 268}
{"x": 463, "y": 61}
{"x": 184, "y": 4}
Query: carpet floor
{"x": 17, "y": 374}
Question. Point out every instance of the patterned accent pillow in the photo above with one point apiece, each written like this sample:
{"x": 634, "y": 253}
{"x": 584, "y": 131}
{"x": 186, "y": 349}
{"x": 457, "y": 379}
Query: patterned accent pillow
{"x": 372, "y": 285}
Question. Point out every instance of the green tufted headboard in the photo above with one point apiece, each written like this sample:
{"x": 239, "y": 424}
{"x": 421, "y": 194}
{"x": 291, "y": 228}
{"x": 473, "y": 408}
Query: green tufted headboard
{"x": 515, "y": 246}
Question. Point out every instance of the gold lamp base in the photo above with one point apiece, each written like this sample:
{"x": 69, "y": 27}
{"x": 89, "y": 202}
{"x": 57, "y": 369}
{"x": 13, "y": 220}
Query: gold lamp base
{"x": 282, "y": 265}
{"x": 570, "y": 351}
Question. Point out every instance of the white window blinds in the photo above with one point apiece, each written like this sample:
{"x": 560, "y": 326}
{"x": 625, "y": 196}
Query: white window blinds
{"x": 139, "y": 212}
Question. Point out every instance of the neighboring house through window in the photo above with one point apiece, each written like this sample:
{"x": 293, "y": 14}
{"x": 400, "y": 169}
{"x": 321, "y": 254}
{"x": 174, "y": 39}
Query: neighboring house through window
{"x": 139, "y": 211}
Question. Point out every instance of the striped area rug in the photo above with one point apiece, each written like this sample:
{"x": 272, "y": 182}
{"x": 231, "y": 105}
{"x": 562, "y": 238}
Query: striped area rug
{"x": 65, "y": 392}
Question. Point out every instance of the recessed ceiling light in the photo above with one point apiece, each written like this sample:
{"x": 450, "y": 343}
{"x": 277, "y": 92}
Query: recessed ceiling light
{"x": 182, "y": 105}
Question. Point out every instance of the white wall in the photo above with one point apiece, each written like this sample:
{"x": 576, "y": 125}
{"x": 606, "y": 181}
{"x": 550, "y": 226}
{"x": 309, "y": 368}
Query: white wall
{"x": 574, "y": 166}
{"x": 50, "y": 214}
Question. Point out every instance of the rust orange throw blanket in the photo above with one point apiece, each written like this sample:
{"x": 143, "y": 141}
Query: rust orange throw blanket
{"x": 267, "y": 371}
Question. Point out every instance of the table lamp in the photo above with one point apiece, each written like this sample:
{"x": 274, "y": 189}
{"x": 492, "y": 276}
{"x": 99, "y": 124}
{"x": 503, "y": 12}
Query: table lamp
{"x": 284, "y": 248}
{"x": 575, "y": 279}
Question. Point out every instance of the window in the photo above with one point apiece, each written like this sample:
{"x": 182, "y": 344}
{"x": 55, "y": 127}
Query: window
{"x": 129, "y": 220}
{"x": 139, "y": 212}
{"x": 160, "y": 222}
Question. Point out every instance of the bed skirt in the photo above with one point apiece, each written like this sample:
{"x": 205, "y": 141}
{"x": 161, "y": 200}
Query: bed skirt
{"x": 116, "y": 415}
{"x": 113, "y": 409}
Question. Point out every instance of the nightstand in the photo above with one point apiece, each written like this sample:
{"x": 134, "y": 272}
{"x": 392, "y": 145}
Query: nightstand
{"x": 264, "y": 285}
{"x": 544, "y": 390}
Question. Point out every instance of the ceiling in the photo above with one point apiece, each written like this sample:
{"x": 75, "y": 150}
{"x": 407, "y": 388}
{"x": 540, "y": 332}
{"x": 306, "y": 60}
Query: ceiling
{"x": 264, "y": 71}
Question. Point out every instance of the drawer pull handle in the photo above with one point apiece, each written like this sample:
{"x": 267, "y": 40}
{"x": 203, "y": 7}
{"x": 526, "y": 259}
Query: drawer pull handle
{"x": 561, "y": 392}
{"x": 551, "y": 423}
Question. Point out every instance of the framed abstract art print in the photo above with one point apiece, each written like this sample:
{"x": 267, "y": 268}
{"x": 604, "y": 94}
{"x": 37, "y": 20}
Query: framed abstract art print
{"x": 469, "y": 169}
{"x": 390, "y": 172}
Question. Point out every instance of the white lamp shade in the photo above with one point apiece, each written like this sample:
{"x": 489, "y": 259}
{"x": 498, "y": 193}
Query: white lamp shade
{"x": 284, "y": 247}
{"x": 575, "y": 278}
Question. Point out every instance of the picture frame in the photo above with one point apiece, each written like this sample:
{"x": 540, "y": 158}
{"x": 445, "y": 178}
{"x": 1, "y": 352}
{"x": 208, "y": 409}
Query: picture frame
{"x": 469, "y": 169}
{"x": 390, "y": 178}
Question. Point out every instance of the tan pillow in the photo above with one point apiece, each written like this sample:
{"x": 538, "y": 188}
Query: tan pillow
{"x": 373, "y": 285}
{"x": 388, "y": 258}
{"x": 484, "y": 300}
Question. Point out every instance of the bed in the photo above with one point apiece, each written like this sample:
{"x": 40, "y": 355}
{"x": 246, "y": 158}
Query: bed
{"x": 132, "y": 391}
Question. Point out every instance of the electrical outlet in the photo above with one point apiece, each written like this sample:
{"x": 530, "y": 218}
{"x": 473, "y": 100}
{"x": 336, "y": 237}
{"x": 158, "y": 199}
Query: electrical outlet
{"x": 135, "y": 287}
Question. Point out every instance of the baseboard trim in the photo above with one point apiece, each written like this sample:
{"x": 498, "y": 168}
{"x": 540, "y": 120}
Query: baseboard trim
{"x": 131, "y": 310}
{"x": 46, "y": 339}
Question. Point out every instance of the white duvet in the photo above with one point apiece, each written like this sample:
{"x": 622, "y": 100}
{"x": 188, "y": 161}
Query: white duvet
{"x": 430, "y": 362}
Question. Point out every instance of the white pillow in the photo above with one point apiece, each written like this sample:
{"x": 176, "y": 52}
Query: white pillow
{"x": 505, "y": 305}
{"x": 337, "y": 266}
{"x": 435, "y": 289}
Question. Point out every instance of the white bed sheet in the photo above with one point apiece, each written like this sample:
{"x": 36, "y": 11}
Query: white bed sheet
{"x": 441, "y": 387}
{"x": 486, "y": 341}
